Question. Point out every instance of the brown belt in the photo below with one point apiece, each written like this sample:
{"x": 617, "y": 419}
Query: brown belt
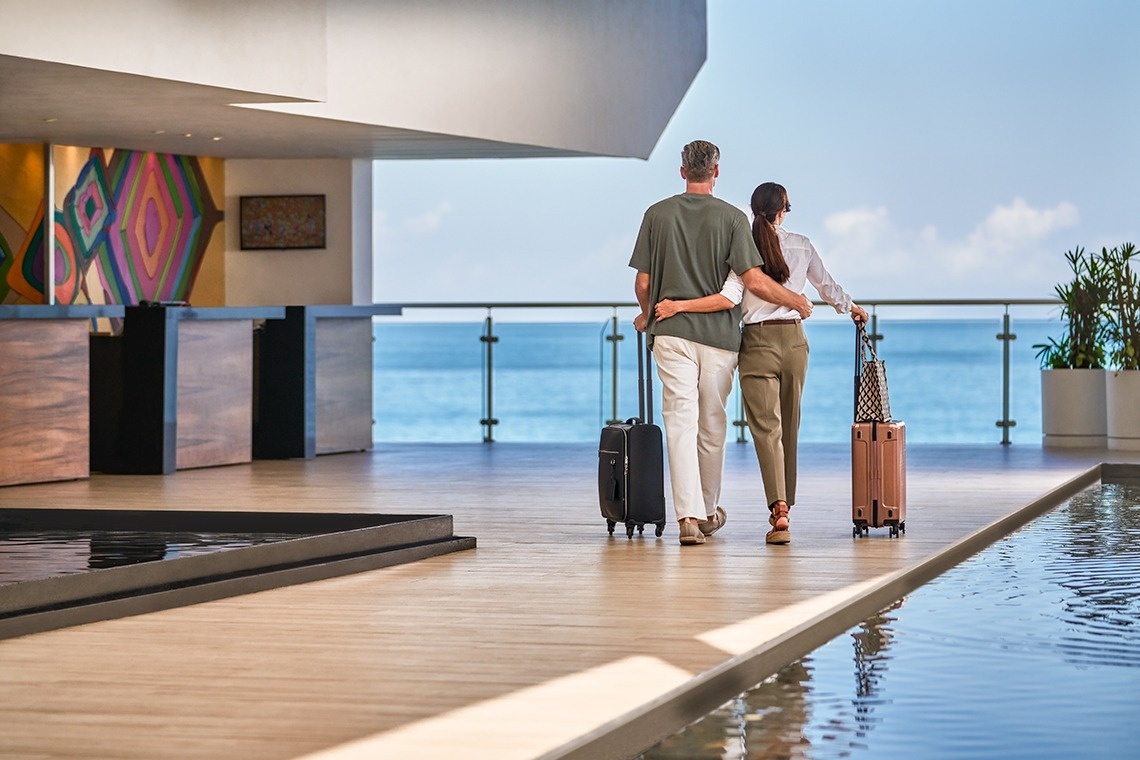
{"x": 773, "y": 322}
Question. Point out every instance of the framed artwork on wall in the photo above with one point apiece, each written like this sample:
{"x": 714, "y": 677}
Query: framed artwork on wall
{"x": 281, "y": 222}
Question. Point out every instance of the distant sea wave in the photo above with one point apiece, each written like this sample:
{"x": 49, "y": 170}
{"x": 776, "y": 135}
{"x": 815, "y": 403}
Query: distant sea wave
{"x": 552, "y": 382}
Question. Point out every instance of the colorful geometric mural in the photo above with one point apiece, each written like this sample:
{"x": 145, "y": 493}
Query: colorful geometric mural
{"x": 131, "y": 229}
{"x": 21, "y": 202}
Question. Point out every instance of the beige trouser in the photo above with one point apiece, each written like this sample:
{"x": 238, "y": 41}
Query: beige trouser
{"x": 773, "y": 366}
{"x": 696, "y": 381}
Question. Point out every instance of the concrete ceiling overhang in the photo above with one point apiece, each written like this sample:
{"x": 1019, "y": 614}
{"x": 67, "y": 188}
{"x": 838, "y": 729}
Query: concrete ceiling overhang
{"x": 367, "y": 79}
{"x": 45, "y": 102}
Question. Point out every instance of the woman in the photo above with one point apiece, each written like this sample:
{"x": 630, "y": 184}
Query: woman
{"x": 774, "y": 349}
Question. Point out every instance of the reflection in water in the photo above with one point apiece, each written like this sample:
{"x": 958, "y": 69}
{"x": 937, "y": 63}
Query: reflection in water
{"x": 118, "y": 548}
{"x": 872, "y": 640}
{"x": 33, "y": 555}
{"x": 1044, "y": 623}
{"x": 1097, "y": 562}
{"x": 765, "y": 722}
{"x": 769, "y": 720}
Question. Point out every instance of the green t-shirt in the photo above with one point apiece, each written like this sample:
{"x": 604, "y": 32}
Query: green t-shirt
{"x": 687, "y": 245}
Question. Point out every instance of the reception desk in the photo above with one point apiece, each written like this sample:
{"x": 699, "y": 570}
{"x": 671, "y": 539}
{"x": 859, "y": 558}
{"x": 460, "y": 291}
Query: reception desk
{"x": 175, "y": 390}
{"x": 314, "y": 381}
{"x": 44, "y": 397}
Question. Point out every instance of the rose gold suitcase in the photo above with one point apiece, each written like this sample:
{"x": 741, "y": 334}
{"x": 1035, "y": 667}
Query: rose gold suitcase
{"x": 878, "y": 465}
{"x": 878, "y": 477}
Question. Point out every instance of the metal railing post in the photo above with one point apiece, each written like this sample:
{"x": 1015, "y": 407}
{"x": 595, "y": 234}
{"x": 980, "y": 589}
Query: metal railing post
{"x": 489, "y": 339}
{"x": 874, "y": 333}
{"x": 610, "y": 329}
{"x": 1005, "y": 423}
{"x": 613, "y": 338}
{"x": 741, "y": 422}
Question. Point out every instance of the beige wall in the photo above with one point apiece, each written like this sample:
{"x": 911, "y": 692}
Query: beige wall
{"x": 295, "y": 277}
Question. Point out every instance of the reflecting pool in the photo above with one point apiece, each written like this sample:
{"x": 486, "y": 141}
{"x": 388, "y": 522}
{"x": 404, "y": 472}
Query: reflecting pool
{"x": 1030, "y": 649}
{"x": 32, "y": 555}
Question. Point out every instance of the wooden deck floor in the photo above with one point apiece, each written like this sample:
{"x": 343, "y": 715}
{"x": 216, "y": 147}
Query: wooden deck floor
{"x": 540, "y": 636}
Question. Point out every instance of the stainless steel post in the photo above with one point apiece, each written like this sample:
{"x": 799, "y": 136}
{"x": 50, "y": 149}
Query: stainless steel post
{"x": 874, "y": 333}
{"x": 613, "y": 338}
{"x": 1005, "y": 423}
{"x": 741, "y": 422}
{"x": 489, "y": 339}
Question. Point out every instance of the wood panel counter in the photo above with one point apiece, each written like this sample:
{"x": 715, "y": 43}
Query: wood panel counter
{"x": 44, "y": 395}
{"x": 175, "y": 390}
{"x": 315, "y": 381}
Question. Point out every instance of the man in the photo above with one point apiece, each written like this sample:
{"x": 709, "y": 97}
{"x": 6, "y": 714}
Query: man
{"x": 685, "y": 249}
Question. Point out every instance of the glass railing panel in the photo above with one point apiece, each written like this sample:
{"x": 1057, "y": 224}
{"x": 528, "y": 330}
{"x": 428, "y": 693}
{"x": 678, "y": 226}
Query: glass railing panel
{"x": 427, "y": 380}
{"x": 554, "y": 381}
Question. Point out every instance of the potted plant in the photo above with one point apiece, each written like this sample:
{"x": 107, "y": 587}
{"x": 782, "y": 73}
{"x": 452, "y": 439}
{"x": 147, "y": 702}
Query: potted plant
{"x": 1122, "y": 384}
{"x": 1073, "y": 411}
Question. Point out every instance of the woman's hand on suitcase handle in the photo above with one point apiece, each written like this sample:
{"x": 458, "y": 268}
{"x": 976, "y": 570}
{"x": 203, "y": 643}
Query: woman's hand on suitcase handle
{"x": 859, "y": 315}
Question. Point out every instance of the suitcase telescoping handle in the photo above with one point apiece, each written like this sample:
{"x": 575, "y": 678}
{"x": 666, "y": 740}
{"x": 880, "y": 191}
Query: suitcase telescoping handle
{"x": 644, "y": 380}
{"x": 859, "y": 331}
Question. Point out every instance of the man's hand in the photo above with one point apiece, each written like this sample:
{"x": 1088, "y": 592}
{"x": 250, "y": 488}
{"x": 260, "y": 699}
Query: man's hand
{"x": 666, "y": 309}
{"x": 767, "y": 289}
{"x": 803, "y": 306}
{"x": 640, "y": 321}
{"x": 858, "y": 315}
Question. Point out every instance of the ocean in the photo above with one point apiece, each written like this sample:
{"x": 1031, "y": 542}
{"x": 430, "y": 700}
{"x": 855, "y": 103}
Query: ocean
{"x": 552, "y": 382}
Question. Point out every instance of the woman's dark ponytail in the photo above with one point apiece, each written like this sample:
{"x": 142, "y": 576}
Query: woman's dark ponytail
{"x": 768, "y": 200}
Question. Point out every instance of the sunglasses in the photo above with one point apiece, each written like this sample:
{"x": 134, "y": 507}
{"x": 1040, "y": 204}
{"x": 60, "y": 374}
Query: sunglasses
{"x": 787, "y": 207}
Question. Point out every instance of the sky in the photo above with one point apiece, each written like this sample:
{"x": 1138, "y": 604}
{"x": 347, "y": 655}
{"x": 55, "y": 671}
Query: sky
{"x": 933, "y": 149}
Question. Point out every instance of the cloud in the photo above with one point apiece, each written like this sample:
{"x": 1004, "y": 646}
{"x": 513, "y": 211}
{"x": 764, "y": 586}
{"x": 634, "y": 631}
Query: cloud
{"x": 1019, "y": 225}
{"x": 1009, "y": 253}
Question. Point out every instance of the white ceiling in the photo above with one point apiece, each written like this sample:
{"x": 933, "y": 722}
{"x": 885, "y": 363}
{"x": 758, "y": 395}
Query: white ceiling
{"x": 42, "y": 102}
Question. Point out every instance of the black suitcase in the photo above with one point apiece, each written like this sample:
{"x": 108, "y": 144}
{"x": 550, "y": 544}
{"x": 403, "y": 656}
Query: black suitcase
{"x": 631, "y": 463}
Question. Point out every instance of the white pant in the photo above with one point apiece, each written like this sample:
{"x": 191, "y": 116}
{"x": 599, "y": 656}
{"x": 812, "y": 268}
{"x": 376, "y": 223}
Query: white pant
{"x": 696, "y": 381}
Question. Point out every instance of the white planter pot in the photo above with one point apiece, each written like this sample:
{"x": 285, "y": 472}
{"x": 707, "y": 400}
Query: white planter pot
{"x": 1073, "y": 411}
{"x": 1122, "y": 398}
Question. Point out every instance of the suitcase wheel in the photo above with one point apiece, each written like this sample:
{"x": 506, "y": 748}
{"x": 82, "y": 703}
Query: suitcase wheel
{"x": 660, "y": 529}
{"x": 629, "y": 530}
{"x": 610, "y": 525}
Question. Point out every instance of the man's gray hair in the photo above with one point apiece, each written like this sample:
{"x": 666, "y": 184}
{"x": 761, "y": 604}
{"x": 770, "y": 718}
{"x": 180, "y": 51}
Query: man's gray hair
{"x": 699, "y": 158}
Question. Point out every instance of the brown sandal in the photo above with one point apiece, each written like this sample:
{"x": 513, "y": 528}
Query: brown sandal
{"x": 780, "y": 523}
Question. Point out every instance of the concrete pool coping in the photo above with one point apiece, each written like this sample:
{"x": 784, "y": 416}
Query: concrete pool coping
{"x": 795, "y": 631}
{"x": 325, "y": 545}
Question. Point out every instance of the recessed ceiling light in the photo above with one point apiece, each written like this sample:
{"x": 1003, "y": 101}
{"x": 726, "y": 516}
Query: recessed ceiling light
{"x": 217, "y": 138}
{"x": 188, "y": 134}
{"x": 159, "y": 132}
{"x": 50, "y": 120}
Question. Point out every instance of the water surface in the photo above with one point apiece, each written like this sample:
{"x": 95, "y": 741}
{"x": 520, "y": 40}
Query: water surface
{"x": 1030, "y": 649}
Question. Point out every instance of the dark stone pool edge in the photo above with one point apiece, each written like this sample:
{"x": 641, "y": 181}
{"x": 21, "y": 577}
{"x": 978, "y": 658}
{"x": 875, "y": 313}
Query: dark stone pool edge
{"x": 390, "y": 540}
{"x": 632, "y": 733}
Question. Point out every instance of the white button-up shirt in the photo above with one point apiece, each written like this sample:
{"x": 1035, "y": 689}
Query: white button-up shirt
{"x": 804, "y": 266}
